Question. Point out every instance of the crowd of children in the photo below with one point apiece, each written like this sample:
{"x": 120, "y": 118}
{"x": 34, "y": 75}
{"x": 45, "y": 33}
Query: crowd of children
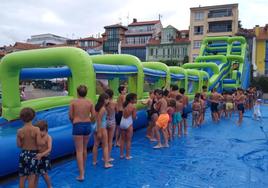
{"x": 167, "y": 116}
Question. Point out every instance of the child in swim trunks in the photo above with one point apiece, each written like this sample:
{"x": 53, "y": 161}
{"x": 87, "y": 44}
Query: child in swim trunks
{"x": 177, "y": 116}
{"x": 44, "y": 149}
{"x": 162, "y": 121}
{"x": 184, "y": 112}
{"x": 196, "y": 110}
{"x": 118, "y": 116}
{"x": 229, "y": 104}
{"x": 100, "y": 136}
{"x": 28, "y": 138}
{"x": 240, "y": 100}
{"x": 126, "y": 125}
{"x": 150, "y": 111}
{"x": 171, "y": 111}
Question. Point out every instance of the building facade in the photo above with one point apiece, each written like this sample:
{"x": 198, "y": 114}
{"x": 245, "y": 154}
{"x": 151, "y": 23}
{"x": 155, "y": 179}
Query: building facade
{"x": 261, "y": 49}
{"x": 173, "y": 46}
{"x": 113, "y": 37}
{"x": 47, "y": 39}
{"x": 91, "y": 45}
{"x": 138, "y": 35}
{"x": 219, "y": 20}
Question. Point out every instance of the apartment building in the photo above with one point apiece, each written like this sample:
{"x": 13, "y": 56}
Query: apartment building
{"x": 138, "y": 35}
{"x": 219, "y": 20}
{"x": 171, "y": 46}
{"x": 113, "y": 37}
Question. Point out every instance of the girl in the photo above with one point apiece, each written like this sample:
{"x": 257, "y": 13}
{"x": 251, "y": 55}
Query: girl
{"x": 100, "y": 135}
{"x": 171, "y": 111}
{"x": 111, "y": 108}
{"x": 126, "y": 124}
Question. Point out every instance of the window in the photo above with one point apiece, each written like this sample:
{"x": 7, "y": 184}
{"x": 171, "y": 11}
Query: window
{"x": 198, "y": 16}
{"x": 220, "y": 13}
{"x": 197, "y": 44}
{"x": 151, "y": 52}
{"x": 156, "y": 51}
{"x": 216, "y": 27}
{"x": 164, "y": 52}
{"x": 198, "y": 30}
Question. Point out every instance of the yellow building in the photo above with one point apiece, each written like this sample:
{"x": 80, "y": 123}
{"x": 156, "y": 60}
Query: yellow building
{"x": 261, "y": 53}
{"x": 218, "y": 20}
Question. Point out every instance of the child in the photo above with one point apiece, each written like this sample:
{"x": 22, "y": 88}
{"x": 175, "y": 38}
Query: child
{"x": 196, "y": 107}
{"x": 100, "y": 135}
{"x": 162, "y": 121}
{"x": 177, "y": 116}
{"x": 126, "y": 125}
{"x": 174, "y": 92}
{"x": 118, "y": 116}
{"x": 44, "y": 149}
{"x": 204, "y": 103}
{"x": 229, "y": 104}
{"x": 81, "y": 114}
{"x": 171, "y": 111}
{"x": 150, "y": 113}
{"x": 185, "y": 101}
{"x": 215, "y": 99}
{"x": 257, "y": 111}
{"x": 27, "y": 139}
{"x": 240, "y": 100}
{"x": 111, "y": 109}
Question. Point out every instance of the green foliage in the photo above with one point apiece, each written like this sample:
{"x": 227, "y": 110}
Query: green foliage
{"x": 261, "y": 82}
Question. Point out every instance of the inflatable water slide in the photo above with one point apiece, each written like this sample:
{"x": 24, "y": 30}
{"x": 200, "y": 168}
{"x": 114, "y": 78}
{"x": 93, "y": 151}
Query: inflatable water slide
{"x": 212, "y": 68}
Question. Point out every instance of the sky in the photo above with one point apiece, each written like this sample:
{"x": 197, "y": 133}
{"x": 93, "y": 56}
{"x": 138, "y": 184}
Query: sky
{"x": 19, "y": 19}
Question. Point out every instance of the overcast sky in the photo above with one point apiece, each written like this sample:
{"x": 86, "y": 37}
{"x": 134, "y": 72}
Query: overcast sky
{"x": 19, "y": 19}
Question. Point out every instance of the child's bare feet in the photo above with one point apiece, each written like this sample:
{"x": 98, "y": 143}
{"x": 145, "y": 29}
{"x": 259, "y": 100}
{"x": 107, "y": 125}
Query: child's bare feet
{"x": 158, "y": 146}
{"x": 122, "y": 156}
{"x": 94, "y": 163}
{"x": 129, "y": 157}
{"x": 108, "y": 165}
{"x": 80, "y": 178}
{"x": 166, "y": 146}
{"x": 153, "y": 140}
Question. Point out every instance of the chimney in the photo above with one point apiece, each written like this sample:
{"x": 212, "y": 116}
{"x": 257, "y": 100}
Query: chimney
{"x": 134, "y": 20}
{"x": 257, "y": 30}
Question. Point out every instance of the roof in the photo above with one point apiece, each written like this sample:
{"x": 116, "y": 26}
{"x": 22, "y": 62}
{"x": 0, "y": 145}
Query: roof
{"x": 2, "y": 53}
{"x": 263, "y": 33}
{"x": 154, "y": 42}
{"x": 25, "y": 46}
{"x": 214, "y": 6}
{"x": 133, "y": 45}
{"x": 115, "y": 26}
{"x": 145, "y": 23}
{"x": 90, "y": 39}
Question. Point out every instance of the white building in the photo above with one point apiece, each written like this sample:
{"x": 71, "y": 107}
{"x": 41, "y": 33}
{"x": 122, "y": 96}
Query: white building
{"x": 47, "y": 39}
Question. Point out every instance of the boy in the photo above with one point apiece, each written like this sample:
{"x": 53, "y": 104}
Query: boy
{"x": 215, "y": 99}
{"x": 240, "y": 100}
{"x": 174, "y": 92}
{"x": 44, "y": 149}
{"x": 118, "y": 116}
{"x": 185, "y": 102}
{"x": 229, "y": 104}
{"x": 162, "y": 121}
{"x": 196, "y": 110}
{"x": 27, "y": 139}
{"x": 177, "y": 116}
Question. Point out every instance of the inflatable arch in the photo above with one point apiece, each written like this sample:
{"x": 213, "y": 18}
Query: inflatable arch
{"x": 76, "y": 59}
